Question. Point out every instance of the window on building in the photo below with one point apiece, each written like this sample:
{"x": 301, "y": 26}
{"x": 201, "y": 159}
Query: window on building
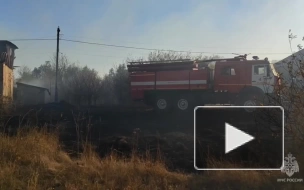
{"x": 259, "y": 70}
{"x": 228, "y": 71}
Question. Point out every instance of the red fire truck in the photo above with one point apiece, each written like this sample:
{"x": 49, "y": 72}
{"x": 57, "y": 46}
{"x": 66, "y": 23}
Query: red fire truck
{"x": 184, "y": 84}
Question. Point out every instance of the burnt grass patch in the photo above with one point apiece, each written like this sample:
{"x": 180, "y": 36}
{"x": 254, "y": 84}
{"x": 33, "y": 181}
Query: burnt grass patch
{"x": 165, "y": 137}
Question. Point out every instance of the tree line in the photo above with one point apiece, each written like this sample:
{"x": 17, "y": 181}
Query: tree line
{"x": 82, "y": 85}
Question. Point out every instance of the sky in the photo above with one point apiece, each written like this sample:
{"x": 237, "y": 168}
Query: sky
{"x": 219, "y": 27}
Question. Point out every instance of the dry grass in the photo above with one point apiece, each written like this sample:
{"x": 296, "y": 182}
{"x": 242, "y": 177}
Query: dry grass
{"x": 34, "y": 160}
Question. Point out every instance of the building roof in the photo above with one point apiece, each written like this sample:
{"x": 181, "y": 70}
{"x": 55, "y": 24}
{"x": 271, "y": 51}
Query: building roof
{"x": 299, "y": 55}
{"x": 9, "y": 43}
{"x": 31, "y": 86}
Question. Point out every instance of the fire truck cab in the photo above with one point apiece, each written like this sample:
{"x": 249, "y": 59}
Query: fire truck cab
{"x": 185, "y": 84}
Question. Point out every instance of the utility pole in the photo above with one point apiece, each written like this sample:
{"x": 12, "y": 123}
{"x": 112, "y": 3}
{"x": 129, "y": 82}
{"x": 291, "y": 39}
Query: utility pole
{"x": 57, "y": 52}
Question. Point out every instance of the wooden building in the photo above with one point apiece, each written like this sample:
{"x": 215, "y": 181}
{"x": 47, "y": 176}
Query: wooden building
{"x": 7, "y": 57}
{"x": 31, "y": 95}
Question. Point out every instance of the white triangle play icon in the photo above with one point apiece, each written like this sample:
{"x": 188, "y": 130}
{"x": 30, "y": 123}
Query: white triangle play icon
{"x": 235, "y": 138}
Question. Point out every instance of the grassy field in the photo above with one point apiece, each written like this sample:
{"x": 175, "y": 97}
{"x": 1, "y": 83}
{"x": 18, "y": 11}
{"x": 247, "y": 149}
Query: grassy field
{"x": 35, "y": 160}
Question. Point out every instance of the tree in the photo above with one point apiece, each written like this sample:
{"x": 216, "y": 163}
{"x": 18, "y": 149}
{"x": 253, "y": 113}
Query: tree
{"x": 83, "y": 84}
{"x": 167, "y": 55}
{"x": 122, "y": 84}
{"x": 107, "y": 88}
{"x": 46, "y": 74}
{"x": 25, "y": 74}
{"x": 91, "y": 84}
{"x": 173, "y": 55}
{"x": 75, "y": 83}
{"x": 290, "y": 94}
{"x": 74, "y": 86}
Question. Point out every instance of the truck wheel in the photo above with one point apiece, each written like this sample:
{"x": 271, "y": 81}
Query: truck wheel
{"x": 182, "y": 104}
{"x": 250, "y": 100}
{"x": 250, "y": 103}
{"x": 161, "y": 104}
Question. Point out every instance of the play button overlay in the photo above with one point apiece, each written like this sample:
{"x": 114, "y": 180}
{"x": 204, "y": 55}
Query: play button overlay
{"x": 233, "y": 138}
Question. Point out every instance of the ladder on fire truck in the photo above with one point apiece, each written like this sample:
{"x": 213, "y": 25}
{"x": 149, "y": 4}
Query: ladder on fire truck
{"x": 172, "y": 65}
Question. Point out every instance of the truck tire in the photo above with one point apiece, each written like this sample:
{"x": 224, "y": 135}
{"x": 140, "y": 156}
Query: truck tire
{"x": 161, "y": 104}
{"x": 250, "y": 100}
{"x": 184, "y": 103}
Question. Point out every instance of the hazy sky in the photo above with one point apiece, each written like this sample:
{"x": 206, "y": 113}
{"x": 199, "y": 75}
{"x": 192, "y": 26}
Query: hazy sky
{"x": 259, "y": 27}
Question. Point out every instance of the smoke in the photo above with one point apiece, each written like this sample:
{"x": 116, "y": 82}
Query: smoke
{"x": 33, "y": 82}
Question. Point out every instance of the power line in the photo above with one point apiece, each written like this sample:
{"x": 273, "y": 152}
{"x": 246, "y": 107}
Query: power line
{"x": 152, "y": 49}
{"x": 73, "y": 52}
{"x": 133, "y": 47}
{"x": 138, "y": 43}
{"x": 37, "y": 39}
